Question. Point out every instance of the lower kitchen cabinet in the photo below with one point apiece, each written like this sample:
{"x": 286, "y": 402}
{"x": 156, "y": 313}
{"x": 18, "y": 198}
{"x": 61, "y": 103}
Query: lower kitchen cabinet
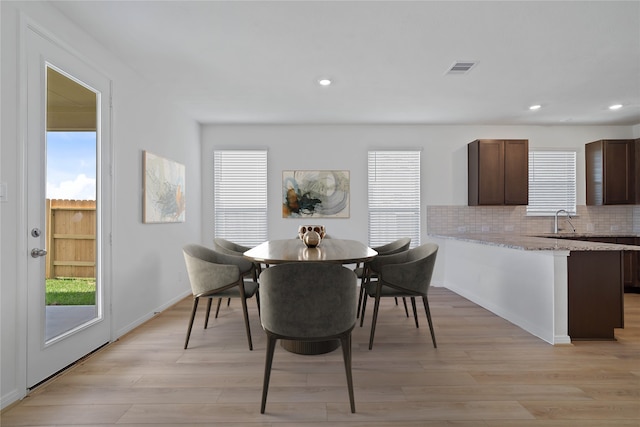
{"x": 595, "y": 294}
{"x": 630, "y": 263}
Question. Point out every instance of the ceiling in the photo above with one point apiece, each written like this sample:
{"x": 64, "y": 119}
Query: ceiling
{"x": 259, "y": 62}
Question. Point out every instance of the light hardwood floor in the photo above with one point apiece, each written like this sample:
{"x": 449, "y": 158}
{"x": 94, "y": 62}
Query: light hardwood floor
{"x": 485, "y": 372}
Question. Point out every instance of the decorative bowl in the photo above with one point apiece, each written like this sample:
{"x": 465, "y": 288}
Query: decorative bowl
{"x": 317, "y": 228}
{"x": 311, "y": 239}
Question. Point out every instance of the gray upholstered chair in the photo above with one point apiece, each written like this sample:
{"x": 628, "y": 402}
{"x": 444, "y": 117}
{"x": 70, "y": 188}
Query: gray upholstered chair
{"x": 365, "y": 273}
{"x": 405, "y": 274}
{"x": 216, "y": 275}
{"x": 308, "y": 301}
{"x": 227, "y": 246}
{"x": 231, "y": 248}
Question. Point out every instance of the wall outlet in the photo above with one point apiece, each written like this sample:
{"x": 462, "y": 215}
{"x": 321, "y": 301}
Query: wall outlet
{"x": 615, "y": 228}
{"x": 486, "y": 229}
{"x": 462, "y": 229}
{"x": 590, "y": 227}
{"x": 509, "y": 228}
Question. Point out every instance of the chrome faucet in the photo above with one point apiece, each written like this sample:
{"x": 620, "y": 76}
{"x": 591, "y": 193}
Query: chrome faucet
{"x": 555, "y": 223}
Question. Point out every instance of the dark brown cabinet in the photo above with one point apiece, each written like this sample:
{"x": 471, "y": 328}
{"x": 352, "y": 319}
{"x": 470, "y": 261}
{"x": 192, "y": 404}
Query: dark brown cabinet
{"x": 630, "y": 260}
{"x": 498, "y": 172}
{"x": 610, "y": 172}
{"x": 636, "y": 147}
{"x": 595, "y": 296}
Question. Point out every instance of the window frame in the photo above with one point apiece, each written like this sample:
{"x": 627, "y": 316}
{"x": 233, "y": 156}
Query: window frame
{"x": 243, "y": 220}
{"x": 378, "y": 204}
{"x": 570, "y": 202}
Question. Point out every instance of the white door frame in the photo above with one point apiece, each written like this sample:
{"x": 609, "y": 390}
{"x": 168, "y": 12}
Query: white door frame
{"x": 51, "y": 50}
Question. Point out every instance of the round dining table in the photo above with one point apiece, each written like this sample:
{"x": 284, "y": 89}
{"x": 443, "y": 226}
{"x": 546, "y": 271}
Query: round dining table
{"x": 294, "y": 250}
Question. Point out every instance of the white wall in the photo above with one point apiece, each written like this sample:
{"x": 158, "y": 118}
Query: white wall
{"x": 444, "y": 161}
{"x": 148, "y": 268}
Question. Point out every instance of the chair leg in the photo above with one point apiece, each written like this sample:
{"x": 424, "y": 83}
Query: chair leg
{"x": 206, "y": 315}
{"x": 396, "y": 300}
{"x": 360, "y": 297}
{"x": 415, "y": 312}
{"x": 228, "y": 302}
{"x": 218, "y": 307}
{"x": 363, "y": 281}
{"x": 193, "y": 316}
{"x": 246, "y": 321}
{"x": 258, "y": 302}
{"x": 364, "y": 306}
{"x": 406, "y": 310}
{"x": 346, "y": 354}
{"x": 426, "y": 309}
{"x": 271, "y": 346}
{"x": 374, "y": 320}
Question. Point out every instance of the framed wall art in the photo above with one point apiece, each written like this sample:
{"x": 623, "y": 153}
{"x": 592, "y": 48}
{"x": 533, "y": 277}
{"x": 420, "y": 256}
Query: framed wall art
{"x": 163, "y": 188}
{"x": 317, "y": 194}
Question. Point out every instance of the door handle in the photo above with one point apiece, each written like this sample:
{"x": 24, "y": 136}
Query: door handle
{"x": 35, "y": 252}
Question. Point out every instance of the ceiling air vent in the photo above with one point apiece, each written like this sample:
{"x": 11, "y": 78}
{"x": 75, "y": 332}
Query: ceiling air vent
{"x": 461, "y": 67}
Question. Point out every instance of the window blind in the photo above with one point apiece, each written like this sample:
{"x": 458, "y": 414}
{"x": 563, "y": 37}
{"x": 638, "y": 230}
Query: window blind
{"x": 552, "y": 182}
{"x": 240, "y": 196}
{"x": 394, "y": 196}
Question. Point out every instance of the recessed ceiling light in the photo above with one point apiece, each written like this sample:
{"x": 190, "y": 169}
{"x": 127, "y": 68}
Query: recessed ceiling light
{"x": 615, "y": 107}
{"x": 535, "y": 107}
{"x": 324, "y": 82}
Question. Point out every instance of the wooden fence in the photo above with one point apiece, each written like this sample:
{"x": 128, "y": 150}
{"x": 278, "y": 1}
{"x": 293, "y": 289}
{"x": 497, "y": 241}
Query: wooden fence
{"x": 71, "y": 238}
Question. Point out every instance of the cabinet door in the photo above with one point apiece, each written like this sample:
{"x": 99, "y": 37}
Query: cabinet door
{"x": 628, "y": 258}
{"x": 491, "y": 179}
{"x": 636, "y": 172}
{"x": 618, "y": 168}
{"x": 516, "y": 172}
{"x": 593, "y": 153}
{"x": 486, "y": 172}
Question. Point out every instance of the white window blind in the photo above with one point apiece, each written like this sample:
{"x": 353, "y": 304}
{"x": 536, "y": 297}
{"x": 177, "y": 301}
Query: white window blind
{"x": 394, "y": 196}
{"x": 552, "y": 182}
{"x": 240, "y": 196}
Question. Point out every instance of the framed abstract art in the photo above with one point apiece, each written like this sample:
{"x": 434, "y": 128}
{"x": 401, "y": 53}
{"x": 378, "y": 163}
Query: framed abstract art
{"x": 164, "y": 190}
{"x": 315, "y": 194}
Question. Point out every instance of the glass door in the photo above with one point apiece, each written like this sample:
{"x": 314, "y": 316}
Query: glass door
{"x": 67, "y": 201}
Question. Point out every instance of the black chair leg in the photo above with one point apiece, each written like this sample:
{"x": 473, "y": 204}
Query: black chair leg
{"x": 193, "y": 316}
{"x": 206, "y": 316}
{"x": 364, "y": 306}
{"x": 360, "y": 297}
{"x": 363, "y": 281}
{"x": 346, "y": 354}
{"x": 373, "y": 322}
{"x": 258, "y": 302}
{"x": 218, "y": 307}
{"x": 246, "y": 321}
{"x": 406, "y": 310}
{"x": 415, "y": 312}
{"x": 271, "y": 346}
{"x": 426, "y": 309}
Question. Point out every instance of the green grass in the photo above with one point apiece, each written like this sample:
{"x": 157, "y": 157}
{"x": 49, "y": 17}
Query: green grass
{"x": 71, "y": 291}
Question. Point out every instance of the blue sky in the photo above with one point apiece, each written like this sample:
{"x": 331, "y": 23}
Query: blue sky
{"x": 71, "y": 165}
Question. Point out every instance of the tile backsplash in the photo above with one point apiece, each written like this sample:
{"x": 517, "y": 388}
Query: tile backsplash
{"x": 514, "y": 219}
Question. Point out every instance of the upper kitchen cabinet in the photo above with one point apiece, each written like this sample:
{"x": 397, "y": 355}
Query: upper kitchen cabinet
{"x": 498, "y": 172}
{"x": 636, "y": 147}
{"x": 610, "y": 172}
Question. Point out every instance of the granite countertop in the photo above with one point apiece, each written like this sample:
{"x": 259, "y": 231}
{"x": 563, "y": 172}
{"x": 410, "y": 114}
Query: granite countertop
{"x": 577, "y": 235}
{"x": 535, "y": 243}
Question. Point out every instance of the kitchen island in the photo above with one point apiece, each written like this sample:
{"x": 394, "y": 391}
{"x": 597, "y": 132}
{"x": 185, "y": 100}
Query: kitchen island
{"x": 557, "y": 289}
